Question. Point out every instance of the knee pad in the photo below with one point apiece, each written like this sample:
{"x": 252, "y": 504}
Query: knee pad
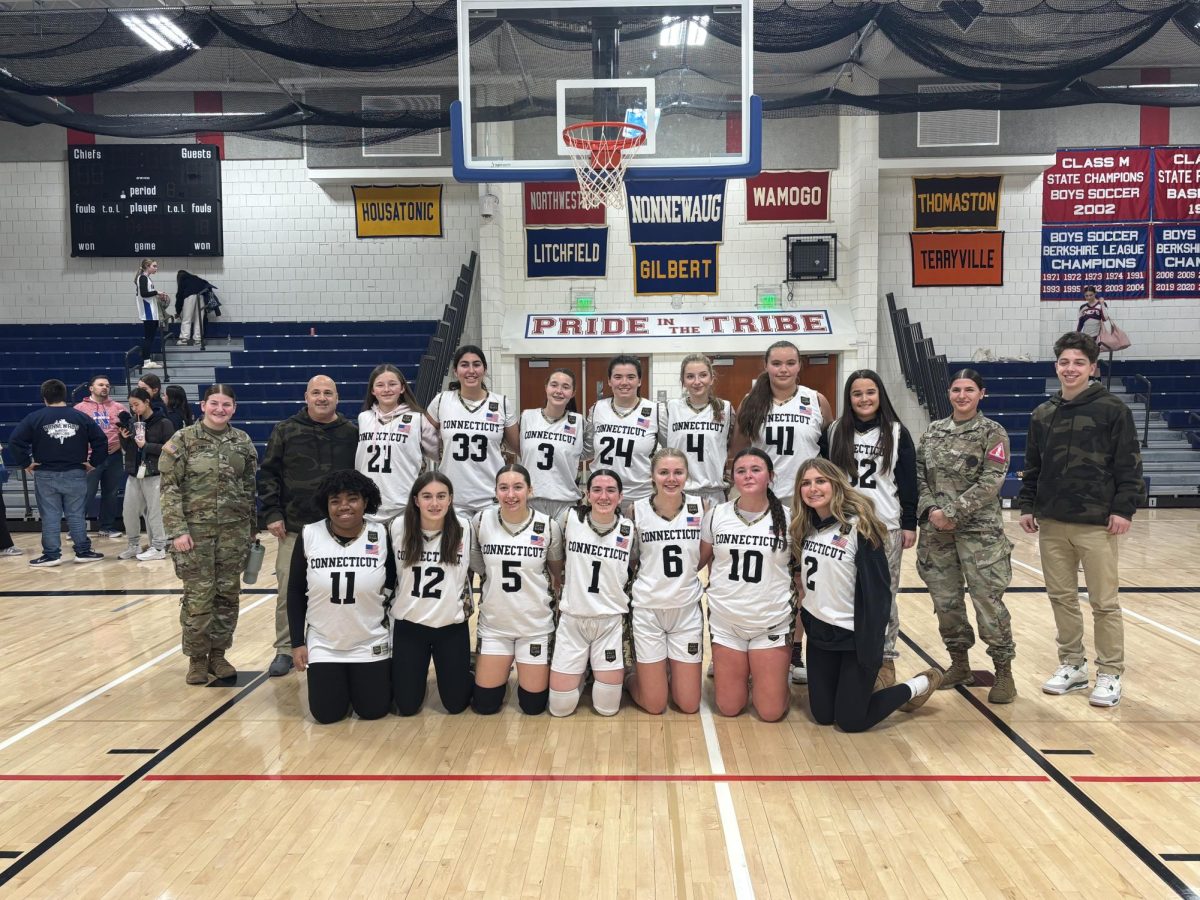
{"x": 487, "y": 701}
{"x": 533, "y": 703}
{"x": 563, "y": 703}
{"x": 606, "y": 698}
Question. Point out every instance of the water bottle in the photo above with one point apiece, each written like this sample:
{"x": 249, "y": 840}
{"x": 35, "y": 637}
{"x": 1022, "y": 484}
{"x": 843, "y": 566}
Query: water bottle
{"x": 139, "y": 430}
{"x": 254, "y": 562}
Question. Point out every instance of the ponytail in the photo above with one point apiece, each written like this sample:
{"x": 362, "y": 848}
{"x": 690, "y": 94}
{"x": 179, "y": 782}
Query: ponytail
{"x": 778, "y": 521}
{"x": 753, "y": 411}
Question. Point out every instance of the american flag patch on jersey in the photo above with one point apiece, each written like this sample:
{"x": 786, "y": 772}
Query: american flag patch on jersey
{"x": 805, "y": 410}
{"x": 568, "y": 429}
{"x": 537, "y": 540}
{"x": 693, "y": 521}
{"x": 403, "y": 427}
{"x": 622, "y": 542}
{"x": 643, "y": 423}
{"x": 841, "y": 541}
{"x": 372, "y": 549}
{"x": 491, "y": 417}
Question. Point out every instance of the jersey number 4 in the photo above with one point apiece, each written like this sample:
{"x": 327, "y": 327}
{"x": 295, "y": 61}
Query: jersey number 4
{"x": 694, "y": 443}
{"x": 782, "y": 439}
{"x": 612, "y": 447}
{"x": 471, "y": 447}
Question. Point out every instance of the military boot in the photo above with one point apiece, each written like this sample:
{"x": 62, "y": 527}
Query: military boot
{"x": 887, "y": 675}
{"x": 1005, "y": 689}
{"x": 959, "y": 671}
{"x": 198, "y": 670}
{"x": 219, "y": 666}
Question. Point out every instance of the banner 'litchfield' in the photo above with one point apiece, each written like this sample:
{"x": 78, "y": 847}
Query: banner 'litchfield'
{"x": 398, "y": 211}
{"x": 958, "y": 259}
{"x": 956, "y": 201}
{"x": 566, "y": 252}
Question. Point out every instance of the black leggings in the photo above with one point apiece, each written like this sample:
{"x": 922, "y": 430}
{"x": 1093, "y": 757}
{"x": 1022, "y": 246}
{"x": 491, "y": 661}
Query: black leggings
{"x": 840, "y": 691}
{"x": 336, "y": 688}
{"x": 450, "y": 648}
{"x": 149, "y": 330}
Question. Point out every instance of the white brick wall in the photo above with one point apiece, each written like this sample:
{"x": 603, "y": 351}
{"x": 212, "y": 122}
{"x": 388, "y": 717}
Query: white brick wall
{"x": 290, "y": 253}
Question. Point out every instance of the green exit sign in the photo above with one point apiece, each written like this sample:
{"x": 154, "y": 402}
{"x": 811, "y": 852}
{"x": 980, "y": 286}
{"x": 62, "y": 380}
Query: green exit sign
{"x": 585, "y": 305}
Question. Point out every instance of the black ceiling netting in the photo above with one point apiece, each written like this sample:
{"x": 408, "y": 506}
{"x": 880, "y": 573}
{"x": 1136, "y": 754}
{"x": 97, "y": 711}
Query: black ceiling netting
{"x": 311, "y": 65}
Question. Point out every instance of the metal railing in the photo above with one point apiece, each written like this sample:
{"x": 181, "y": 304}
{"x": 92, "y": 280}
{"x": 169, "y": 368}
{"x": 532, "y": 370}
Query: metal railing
{"x": 1146, "y": 421}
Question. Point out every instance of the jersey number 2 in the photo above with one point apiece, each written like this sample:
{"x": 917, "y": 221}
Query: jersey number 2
{"x": 867, "y": 479}
{"x": 379, "y": 458}
{"x": 431, "y": 589}
{"x": 611, "y": 448}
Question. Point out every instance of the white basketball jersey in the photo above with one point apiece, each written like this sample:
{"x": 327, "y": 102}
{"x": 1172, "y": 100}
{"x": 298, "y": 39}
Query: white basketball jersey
{"x": 790, "y": 435}
{"x": 625, "y": 443}
{"x": 551, "y": 452}
{"x": 704, "y": 441}
{"x": 389, "y": 453}
{"x": 876, "y": 482}
{"x": 668, "y": 574}
{"x": 749, "y": 582}
{"x": 431, "y": 592}
{"x": 827, "y": 566}
{"x": 346, "y": 620}
{"x": 517, "y": 600}
{"x": 597, "y": 567}
{"x": 471, "y": 438}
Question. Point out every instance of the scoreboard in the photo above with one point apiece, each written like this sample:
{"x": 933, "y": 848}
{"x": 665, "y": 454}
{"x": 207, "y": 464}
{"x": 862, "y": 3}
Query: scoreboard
{"x": 141, "y": 200}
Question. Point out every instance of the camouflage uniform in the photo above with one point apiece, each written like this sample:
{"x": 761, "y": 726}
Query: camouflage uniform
{"x": 208, "y": 493}
{"x": 960, "y": 467}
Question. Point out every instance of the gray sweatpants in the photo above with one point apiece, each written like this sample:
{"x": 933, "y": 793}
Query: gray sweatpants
{"x": 142, "y": 499}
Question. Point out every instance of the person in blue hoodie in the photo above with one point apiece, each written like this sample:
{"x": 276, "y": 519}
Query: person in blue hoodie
{"x": 59, "y": 445}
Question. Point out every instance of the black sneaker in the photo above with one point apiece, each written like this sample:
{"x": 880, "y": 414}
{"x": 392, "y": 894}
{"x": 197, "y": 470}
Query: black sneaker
{"x": 46, "y": 562}
{"x": 88, "y": 556}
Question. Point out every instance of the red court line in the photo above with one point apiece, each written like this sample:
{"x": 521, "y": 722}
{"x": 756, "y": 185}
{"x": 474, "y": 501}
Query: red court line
{"x": 599, "y": 778}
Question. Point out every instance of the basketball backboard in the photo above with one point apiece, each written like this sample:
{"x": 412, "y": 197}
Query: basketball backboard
{"x": 530, "y": 68}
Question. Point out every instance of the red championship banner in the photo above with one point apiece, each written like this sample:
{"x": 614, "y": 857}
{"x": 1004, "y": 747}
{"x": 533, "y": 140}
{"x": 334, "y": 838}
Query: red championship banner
{"x": 1177, "y": 184}
{"x": 958, "y": 258}
{"x": 1088, "y": 186}
{"x": 553, "y": 204}
{"x": 788, "y": 197}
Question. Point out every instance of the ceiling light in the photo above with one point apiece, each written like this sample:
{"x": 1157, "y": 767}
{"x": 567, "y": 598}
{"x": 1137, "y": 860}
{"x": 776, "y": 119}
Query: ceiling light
{"x": 160, "y": 33}
{"x": 677, "y": 32}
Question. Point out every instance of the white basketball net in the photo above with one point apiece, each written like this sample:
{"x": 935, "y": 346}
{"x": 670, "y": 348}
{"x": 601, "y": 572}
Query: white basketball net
{"x": 600, "y": 165}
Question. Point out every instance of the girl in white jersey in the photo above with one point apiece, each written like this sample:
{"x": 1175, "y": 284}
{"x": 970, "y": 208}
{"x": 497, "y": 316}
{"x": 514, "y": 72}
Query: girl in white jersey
{"x": 838, "y": 543}
{"x": 624, "y": 430}
{"x": 394, "y": 439}
{"x": 148, "y": 299}
{"x": 600, "y": 545}
{"x": 552, "y": 446}
{"x": 342, "y": 575}
{"x": 875, "y": 450}
{"x": 750, "y": 592}
{"x": 433, "y": 598}
{"x": 786, "y": 420}
{"x": 518, "y": 554}
{"x": 667, "y": 621}
{"x": 701, "y": 425}
{"x": 473, "y": 423}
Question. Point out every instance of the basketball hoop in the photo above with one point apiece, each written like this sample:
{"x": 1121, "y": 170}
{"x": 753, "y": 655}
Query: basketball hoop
{"x": 600, "y": 163}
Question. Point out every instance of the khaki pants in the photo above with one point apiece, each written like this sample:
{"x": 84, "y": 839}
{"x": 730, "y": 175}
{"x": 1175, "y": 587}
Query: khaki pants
{"x": 283, "y": 566}
{"x": 1064, "y": 546}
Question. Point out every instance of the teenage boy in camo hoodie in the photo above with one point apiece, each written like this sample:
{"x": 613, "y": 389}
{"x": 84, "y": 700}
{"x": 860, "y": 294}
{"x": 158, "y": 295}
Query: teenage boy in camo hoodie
{"x": 1081, "y": 485}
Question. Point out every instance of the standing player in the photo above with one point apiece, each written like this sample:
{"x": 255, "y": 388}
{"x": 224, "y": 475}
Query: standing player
{"x": 552, "y": 446}
{"x": 433, "y": 600}
{"x": 875, "y": 450}
{"x": 474, "y": 423}
{"x": 838, "y": 542}
{"x": 624, "y": 430}
{"x": 600, "y": 544}
{"x": 750, "y": 608}
{"x": 518, "y": 554}
{"x": 667, "y": 621}
{"x": 343, "y": 571}
{"x": 394, "y": 440}
{"x": 785, "y": 419}
{"x": 701, "y": 425}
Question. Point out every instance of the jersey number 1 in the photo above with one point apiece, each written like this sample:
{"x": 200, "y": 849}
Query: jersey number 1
{"x": 336, "y": 594}
{"x": 376, "y": 453}
{"x": 782, "y": 439}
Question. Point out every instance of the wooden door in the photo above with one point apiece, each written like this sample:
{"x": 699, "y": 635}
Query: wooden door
{"x": 736, "y": 374}
{"x": 591, "y": 378}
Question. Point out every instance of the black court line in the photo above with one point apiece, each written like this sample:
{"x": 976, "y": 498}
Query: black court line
{"x": 1068, "y": 752}
{"x": 1182, "y": 857}
{"x": 1136, "y": 847}
{"x": 49, "y": 843}
{"x": 132, "y": 750}
{"x": 9, "y": 854}
{"x": 1176, "y": 589}
{"x": 125, "y": 606}
{"x": 122, "y": 592}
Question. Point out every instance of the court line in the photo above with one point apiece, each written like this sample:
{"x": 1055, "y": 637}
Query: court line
{"x": 735, "y": 850}
{"x": 116, "y": 592}
{"x": 92, "y": 695}
{"x": 1026, "y": 589}
{"x": 47, "y": 844}
{"x": 1115, "y": 828}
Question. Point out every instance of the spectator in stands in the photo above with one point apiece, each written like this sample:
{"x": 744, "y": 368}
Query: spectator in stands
{"x": 1092, "y": 313}
{"x": 149, "y": 300}
{"x": 178, "y": 410}
{"x": 110, "y": 475}
{"x": 61, "y": 444}
{"x": 142, "y": 439}
{"x": 152, "y": 383}
{"x": 301, "y": 451}
{"x": 1081, "y": 485}
{"x": 7, "y": 547}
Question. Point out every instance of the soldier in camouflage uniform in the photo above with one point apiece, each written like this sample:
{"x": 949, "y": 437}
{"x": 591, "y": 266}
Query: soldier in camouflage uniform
{"x": 960, "y": 466}
{"x": 208, "y": 512}
{"x": 1081, "y": 485}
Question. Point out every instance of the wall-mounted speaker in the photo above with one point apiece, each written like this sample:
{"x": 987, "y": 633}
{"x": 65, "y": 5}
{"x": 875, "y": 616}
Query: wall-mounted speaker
{"x": 811, "y": 257}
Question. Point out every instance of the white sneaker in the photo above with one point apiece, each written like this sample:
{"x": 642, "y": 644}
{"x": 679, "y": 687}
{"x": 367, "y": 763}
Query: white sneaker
{"x": 151, "y": 364}
{"x": 152, "y": 553}
{"x": 12, "y": 551}
{"x": 1107, "y": 691}
{"x": 799, "y": 674}
{"x": 130, "y": 552}
{"x": 1067, "y": 679}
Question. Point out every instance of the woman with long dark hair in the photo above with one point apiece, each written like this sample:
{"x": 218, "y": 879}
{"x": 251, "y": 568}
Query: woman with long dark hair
{"x": 395, "y": 438}
{"x": 178, "y": 410}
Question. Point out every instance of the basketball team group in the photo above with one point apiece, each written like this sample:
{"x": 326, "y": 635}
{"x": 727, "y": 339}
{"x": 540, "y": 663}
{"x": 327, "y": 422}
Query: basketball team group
{"x": 595, "y": 537}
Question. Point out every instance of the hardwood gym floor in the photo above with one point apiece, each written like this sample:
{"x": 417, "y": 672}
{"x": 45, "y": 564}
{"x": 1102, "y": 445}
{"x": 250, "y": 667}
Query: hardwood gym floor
{"x": 118, "y": 780}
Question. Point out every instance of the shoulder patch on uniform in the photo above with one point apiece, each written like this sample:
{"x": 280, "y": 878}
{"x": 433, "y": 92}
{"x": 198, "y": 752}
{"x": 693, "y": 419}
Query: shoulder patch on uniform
{"x": 645, "y": 410}
{"x": 372, "y": 536}
{"x": 406, "y": 418}
{"x": 805, "y": 399}
{"x": 693, "y": 508}
{"x": 539, "y": 527}
{"x": 571, "y": 418}
{"x": 169, "y": 447}
{"x": 997, "y": 453}
{"x": 625, "y": 529}
{"x": 493, "y": 405}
